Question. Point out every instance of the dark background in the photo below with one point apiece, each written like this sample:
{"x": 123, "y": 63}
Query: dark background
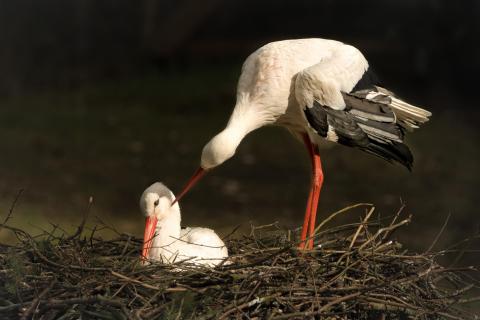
{"x": 103, "y": 98}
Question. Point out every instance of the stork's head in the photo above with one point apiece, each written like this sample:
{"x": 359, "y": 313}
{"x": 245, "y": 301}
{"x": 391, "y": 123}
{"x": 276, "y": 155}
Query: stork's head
{"x": 155, "y": 204}
{"x": 218, "y": 150}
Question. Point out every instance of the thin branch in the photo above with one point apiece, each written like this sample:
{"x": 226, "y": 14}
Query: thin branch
{"x": 12, "y": 207}
{"x": 84, "y": 220}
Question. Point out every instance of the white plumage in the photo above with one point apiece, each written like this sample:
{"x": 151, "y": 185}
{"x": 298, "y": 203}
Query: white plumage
{"x": 320, "y": 90}
{"x": 169, "y": 243}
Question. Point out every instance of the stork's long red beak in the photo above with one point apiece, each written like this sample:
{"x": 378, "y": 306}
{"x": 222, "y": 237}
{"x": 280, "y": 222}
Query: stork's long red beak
{"x": 150, "y": 226}
{"x": 193, "y": 180}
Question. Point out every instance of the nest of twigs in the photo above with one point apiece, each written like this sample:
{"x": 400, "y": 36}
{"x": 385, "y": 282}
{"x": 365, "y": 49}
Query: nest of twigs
{"x": 356, "y": 272}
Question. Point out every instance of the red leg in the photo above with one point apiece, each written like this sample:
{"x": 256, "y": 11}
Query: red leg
{"x": 316, "y": 188}
{"x": 306, "y": 220}
{"x": 308, "y": 210}
{"x": 312, "y": 204}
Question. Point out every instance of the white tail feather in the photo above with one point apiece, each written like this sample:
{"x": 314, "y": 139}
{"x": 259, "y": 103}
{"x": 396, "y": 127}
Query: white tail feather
{"x": 408, "y": 116}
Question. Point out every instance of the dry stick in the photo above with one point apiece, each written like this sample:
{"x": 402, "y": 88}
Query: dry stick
{"x": 394, "y": 220}
{"x": 364, "y": 222}
{"x": 384, "y": 305}
{"x": 12, "y": 207}
{"x": 467, "y": 300}
{"x": 35, "y": 301}
{"x": 136, "y": 295}
{"x": 355, "y": 236}
{"x": 391, "y": 297}
{"x": 145, "y": 285}
{"x": 91, "y": 235}
{"x": 231, "y": 232}
{"x": 382, "y": 230}
{"x": 264, "y": 226}
{"x": 460, "y": 254}
{"x": 56, "y": 303}
{"x": 341, "y": 299}
{"x": 450, "y": 316}
{"x": 348, "y": 267}
{"x": 54, "y": 264}
{"x": 259, "y": 261}
{"x": 84, "y": 220}
{"x": 153, "y": 312}
{"x": 189, "y": 288}
{"x": 462, "y": 242}
{"x": 438, "y": 235}
{"x": 59, "y": 303}
{"x": 335, "y": 278}
{"x": 248, "y": 304}
{"x": 149, "y": 302}
{"x": 333, "y": 215}
{"x": 107, "y": 226}
{"x": 126, "y": 246}
{"x": 323, "y": 309}
{"x": 401, "y": 307}
{"x": 259, "y": 282}
{"x": 52, "y": 235}
{"x": 456, "y": 293}
{"x": 45, "y": 259}
{"x": 180, "y": 310}
{"x": 119, "y": 290}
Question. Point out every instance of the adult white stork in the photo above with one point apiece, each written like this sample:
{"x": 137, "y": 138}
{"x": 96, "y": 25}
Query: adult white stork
{"x": 319, "y": 90}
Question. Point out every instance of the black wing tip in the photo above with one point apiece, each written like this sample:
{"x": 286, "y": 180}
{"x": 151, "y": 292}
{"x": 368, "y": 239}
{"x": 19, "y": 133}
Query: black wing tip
{"x": 405, "y": 155}
{"x": 409, "y": 166}
{"x": 393, "y": 152}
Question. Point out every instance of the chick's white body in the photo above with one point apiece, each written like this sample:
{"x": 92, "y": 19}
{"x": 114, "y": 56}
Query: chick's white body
{"x": 201, "y": 246}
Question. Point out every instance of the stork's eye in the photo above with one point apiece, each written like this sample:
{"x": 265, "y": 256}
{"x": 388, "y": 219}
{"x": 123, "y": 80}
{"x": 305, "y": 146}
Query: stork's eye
{"x": 155, "y": 203}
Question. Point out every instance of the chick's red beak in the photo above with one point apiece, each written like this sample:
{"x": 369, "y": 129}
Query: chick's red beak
{"x": 150, "y": 226}
{"x": 193, "y": 180}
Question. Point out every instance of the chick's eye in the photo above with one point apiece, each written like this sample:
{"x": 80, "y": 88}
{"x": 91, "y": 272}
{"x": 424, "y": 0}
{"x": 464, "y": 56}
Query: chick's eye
{"x": 155, "y": 203}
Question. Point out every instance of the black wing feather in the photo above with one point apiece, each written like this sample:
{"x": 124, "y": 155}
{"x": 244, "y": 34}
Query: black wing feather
{"x": 382, "y": 139}
{"x": 317, "y": 118}
{"x": 346, "y": 128}
{"x": 366, "y": 124}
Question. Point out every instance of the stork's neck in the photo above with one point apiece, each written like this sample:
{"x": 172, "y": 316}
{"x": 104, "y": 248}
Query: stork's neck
{"x": 168, "y": 228}
{"x": 246, "y": 117}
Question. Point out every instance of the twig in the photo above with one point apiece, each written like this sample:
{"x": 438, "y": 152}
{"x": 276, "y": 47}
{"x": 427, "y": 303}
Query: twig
{"x": 339, "y": 300}
{"x": 333, "y": 215}
{"x": 231, "y": 232}
{"x": 355, "y": 236}
{"x": 382, "y": 230}
{"x": 394, "y": 220}
{"x": 438, "y": 235}
{"x": 247, "y": 304}
{"x": 12, "y": 207}
{"x": 36, "y": 301}
{"x": 84, "y": 220}
{"x": 145, "y": 285}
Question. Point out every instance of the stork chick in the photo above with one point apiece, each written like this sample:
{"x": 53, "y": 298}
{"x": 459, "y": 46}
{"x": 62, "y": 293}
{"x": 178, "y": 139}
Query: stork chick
{"x": 165, "y": 241}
